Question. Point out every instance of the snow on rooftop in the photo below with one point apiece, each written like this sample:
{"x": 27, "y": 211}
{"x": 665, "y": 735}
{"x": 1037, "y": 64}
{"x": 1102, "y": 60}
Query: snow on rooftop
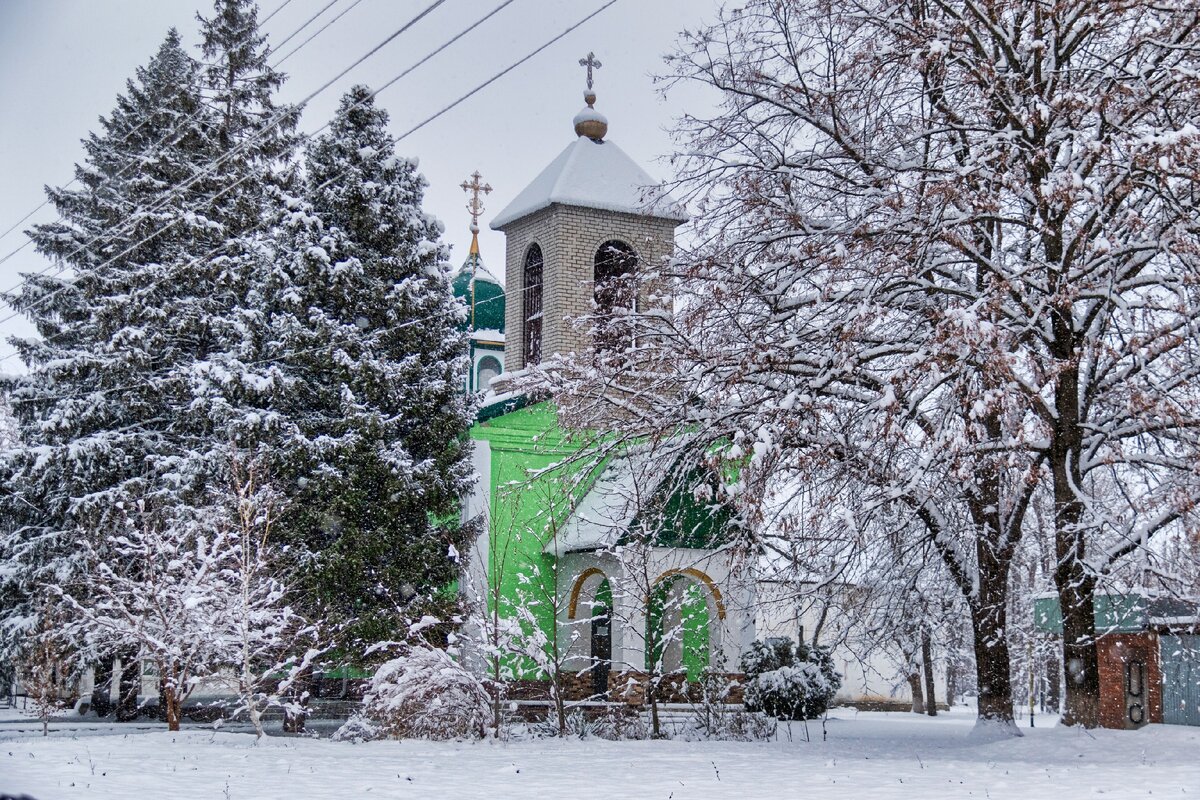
{"x": 482, "y": 273}
{"x": 609, "y": 507}
{"x": 594, "y": 175}
{"x": 487, "y": 335}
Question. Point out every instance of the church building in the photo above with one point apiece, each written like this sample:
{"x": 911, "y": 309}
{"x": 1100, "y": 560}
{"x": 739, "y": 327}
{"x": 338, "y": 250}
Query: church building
{"x": 567, "y": 559}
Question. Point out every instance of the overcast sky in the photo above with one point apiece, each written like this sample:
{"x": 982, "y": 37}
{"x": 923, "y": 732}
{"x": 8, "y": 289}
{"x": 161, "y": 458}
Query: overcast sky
{"x": 64, "y": 62}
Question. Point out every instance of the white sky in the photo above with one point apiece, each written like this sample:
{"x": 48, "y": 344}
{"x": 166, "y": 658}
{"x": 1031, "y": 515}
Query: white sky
{"x": 64, "y": 62}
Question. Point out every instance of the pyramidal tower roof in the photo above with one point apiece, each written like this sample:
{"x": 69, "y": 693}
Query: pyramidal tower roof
{"x": 592, "y": 172}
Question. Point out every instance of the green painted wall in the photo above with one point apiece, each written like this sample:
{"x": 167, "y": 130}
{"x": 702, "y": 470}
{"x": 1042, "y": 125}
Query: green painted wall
{"x": 524, "y": 511}
{"x": 693, "y": 628}
{"x": 1115, "y": 613}
{"x": 695, "y": 631}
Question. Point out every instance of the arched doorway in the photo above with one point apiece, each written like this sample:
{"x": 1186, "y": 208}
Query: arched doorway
{"x": 601, "y": 639}
{"x": 591, "y": 607}
{"x": 680, "y": 634}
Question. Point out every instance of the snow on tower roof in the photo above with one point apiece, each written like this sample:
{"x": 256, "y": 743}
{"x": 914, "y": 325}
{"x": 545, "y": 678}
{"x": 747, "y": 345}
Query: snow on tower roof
{"x": 593, "y": 175}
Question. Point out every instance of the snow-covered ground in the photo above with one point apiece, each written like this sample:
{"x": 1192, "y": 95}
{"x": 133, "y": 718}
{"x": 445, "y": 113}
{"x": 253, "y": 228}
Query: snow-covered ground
{"x": 867, "y": 755}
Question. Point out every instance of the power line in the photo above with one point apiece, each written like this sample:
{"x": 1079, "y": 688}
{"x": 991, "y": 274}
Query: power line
{"x": 175, "y": 192}
{"x": 407, "y": 133}
{"x": 307, "y": 22}
{"x": 278, "y": 8}
{"x": 315, "y": 34}
{"x": 176, "y": 129}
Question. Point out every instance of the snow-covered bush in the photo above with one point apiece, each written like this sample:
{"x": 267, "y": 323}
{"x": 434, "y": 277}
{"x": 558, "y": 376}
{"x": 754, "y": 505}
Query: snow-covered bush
{"x": 425, "y": 694}
{"x": 789, "y": 681}
{"x": 357, "y": 729}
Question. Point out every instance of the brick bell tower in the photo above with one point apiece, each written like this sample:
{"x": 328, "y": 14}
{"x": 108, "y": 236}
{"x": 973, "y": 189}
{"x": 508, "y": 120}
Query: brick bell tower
{"x": 574, "y": 237}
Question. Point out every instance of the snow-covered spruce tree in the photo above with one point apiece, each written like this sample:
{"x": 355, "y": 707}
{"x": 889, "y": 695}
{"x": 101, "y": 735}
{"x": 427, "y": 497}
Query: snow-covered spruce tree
{"x": 94, "y": 410}
{"x": 256, "y": 142}
{"x": 949, "y": 251}
{"x": 364, "y": 363}
{"x": 134, "y": 396}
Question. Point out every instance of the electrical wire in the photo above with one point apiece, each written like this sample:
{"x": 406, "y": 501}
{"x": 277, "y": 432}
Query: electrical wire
{"x": 278, "y": 8}
{"x": 307, "y": 22}
{"x": 407, "y": 133}
{"x": 176, "y": 129}
{"x": 316, "y": 33}
{"x": 175, "y": 192}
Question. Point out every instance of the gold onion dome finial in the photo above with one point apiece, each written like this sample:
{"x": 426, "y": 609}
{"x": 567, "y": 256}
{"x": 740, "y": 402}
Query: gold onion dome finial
{"x": 589, "y": 122}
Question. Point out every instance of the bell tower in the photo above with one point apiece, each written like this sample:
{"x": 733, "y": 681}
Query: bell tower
{"x": 574, "y": 236}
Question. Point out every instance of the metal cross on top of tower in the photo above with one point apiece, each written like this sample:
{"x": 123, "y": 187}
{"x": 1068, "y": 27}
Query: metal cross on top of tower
{"x": 591, "y": 63}
{"x": 475, "y": 187}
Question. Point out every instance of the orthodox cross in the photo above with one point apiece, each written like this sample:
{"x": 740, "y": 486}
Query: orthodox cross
{"x": 475, "y": 188}
{"x": 591, "y": 63}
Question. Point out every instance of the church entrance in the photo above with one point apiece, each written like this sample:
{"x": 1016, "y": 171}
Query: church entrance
{"x": 601, "y": 650}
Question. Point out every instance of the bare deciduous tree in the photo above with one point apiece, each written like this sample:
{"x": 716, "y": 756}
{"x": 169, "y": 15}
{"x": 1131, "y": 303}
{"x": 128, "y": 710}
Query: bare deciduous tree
{"x": 945, "y": 252}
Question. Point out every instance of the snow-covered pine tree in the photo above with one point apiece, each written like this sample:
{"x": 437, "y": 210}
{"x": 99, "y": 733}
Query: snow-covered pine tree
{"x": 256, "y": 135}
{"x": 366, "y": 365}
{"x": 94, "y": 409}
{"x": 256, "y": 139}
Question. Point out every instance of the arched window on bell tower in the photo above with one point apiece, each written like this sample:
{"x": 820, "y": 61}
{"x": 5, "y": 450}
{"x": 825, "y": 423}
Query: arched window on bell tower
{"x": 615, "y": 295}
{"x": 531, "y": 305}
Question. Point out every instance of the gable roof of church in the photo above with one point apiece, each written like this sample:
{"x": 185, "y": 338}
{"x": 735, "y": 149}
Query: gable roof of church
{"x": 596, "y": 175}
{"x": 639, "y": 495}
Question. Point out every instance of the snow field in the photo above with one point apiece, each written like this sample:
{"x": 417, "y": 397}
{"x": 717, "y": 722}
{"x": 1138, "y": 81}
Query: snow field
{"x": 870, "y": 755}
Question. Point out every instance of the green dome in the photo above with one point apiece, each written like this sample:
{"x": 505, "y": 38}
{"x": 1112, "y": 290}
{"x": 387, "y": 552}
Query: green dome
{"x": 489, "y": 296}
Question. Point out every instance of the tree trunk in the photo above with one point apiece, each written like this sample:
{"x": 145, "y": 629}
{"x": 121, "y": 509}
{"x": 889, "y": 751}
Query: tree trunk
{"x": 989, "y": 606}
{"x": 652, "y": 696}
{"x": 560, "y": 709}
{"x": 918, "y": 694}
{"x": 1082, "y": 706}
{"x": 164, "y": 699}
{"x": 927, "y": 661}
{"x": 951, "y": 684}
{"x": 172, "y": 708}
{"x": 129, "y": 684}
{"x": 1052, "y": 699}
{"x": 993, "y": 666}
{"x": 296, "y": 710}
{"x": 1074, "y": 580}
{"x": 102, "y": 675}
{"x": 496, "y": 689}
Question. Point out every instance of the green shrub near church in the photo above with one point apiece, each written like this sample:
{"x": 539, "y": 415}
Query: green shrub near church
{"x": 787, "y": 680}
